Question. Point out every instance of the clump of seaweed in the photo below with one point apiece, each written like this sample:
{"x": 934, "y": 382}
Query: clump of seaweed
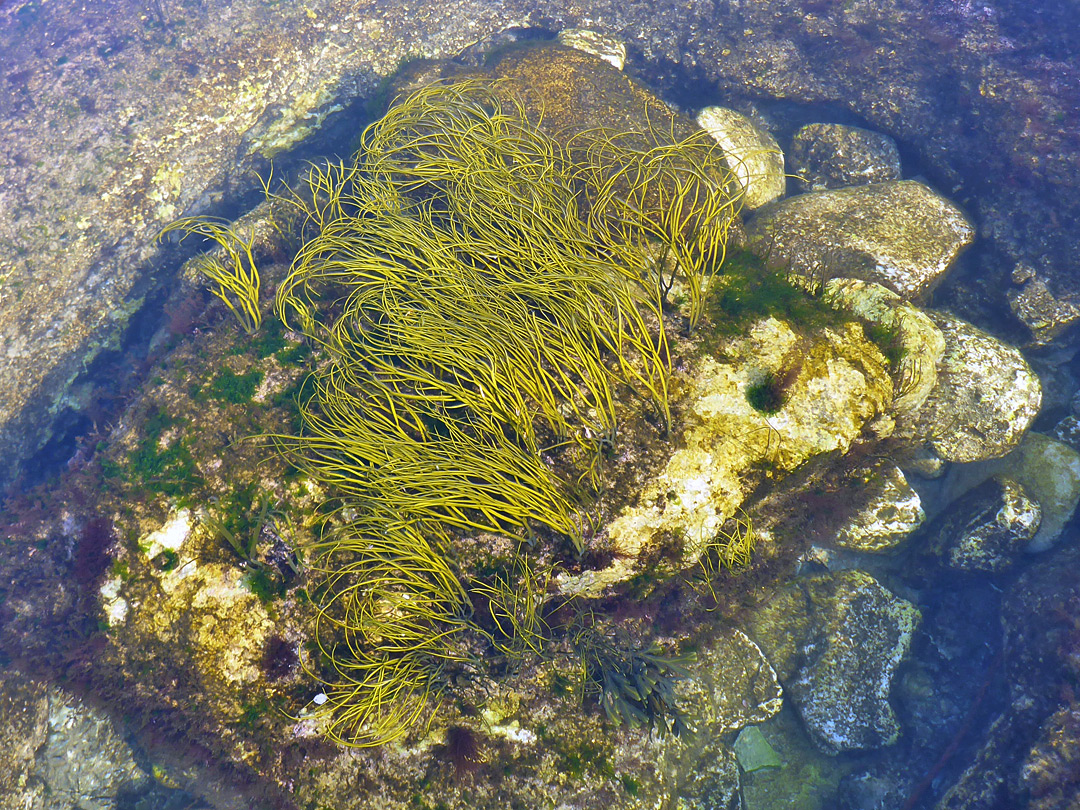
{"x": 484, "y": 300}
{"x": 233, "y": 272}
{"x": 635, "y": 686}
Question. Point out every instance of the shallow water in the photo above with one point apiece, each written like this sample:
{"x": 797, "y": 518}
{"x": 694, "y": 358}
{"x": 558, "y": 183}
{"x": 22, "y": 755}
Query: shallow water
{"x": 118, "y": 118}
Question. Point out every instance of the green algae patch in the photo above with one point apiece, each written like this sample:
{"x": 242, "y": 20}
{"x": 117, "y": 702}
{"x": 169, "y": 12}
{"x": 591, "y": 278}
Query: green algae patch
{"x": 228, "y": 386}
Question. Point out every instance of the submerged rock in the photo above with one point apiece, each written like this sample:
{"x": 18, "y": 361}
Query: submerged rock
{"x": 835, "y": 381}
{"x": 836, "y": 641}
{"x": 917, "y": 342}
{"x": 85, "y": 761}
{"x": 1045, "y": 316}
{"x": 753, "y": 154}
{"x": 1050, "y": 472}
{"x": 901, "y": 234}
{"x": 754, "y": 752}
{"x": 986, "y": 529}
{"x": 888, "y": 511}
{"x": 985, "y": 398}
{"x": 827, "y": 156}
{"x": 24, "y": 715}
{"x": 735, "y": 685}
{"x": 610, "y": 49}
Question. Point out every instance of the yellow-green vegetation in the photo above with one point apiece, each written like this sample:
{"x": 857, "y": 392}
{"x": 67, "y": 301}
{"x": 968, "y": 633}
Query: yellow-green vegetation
{"x": 486, "y": 303}
{"x": 233, "y": 273}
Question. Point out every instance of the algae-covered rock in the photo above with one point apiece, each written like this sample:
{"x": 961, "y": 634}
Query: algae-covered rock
{"x": 888, "y": 510}
{"x": 901, "y": 234}
{"x": 712, "y": 782}
{"x": 985, "y": 397}
{"x": 834, "y": 382}
{"x": 734, "y": 685}
{"x": 916, "y": 341}
{"x": 24, "y": 714}
{"x": 836, "y": 641}
{"x": 570, "y": 91}
{"x": 827, "y": 156}
{"x": 987, "y": 528}
{"x": 85, "y": 761}
{"x": 753, "y": 154}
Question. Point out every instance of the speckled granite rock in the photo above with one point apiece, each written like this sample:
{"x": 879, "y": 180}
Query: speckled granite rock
{"x": 755, "y": 158}
{"x": 986, "y": 529}
{"x": 1067, "y": 431}
{"x": 825, "y": 156}
{"x": 986, "y": 396}
{"x": 901, "y": 235}
{"x": 836, "y": 641}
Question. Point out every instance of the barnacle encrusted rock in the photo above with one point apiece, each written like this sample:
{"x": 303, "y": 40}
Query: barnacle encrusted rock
{"x": 754, "y": 155}
{"x": 836, "y": 382}
{"x": 985, "y": 397}
{"x": 825, "y": 156}
{"x": 900, "y": 234}
{"x": 836, "y": 641}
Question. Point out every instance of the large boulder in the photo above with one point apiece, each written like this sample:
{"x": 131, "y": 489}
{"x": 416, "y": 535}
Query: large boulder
{"x": 985, "y": 398}
{"x": 902, "y": 235}
{"x": 825, "y": 156}
{"x": 836, "y": 641}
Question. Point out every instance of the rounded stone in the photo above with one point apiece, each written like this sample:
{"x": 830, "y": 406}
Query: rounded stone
{"x": 888, "y": 510}
{"x": 985, "y": 398}
{"x": 902, "y": 235}
{"x": 836, "y": 641}
{"x": 752, "y": 152}
{"x": 987, "y": 528}
{"x": 826, "y": 156}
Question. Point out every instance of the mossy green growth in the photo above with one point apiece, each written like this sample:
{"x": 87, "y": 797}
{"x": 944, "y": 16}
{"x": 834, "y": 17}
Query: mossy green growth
{"x": 170, "y": 469}
{"x": 766, "y": 395}
{"x": 228, "y": 386}
{"x": 748, "y": 290}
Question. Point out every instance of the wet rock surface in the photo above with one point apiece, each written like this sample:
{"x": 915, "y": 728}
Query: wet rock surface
{"x": 755, "y": 157}
{"x": 825, "y": 156}
{"x": 836, "y": 641}
{"x": 888, "y": 510}
{"x": 1018, "y": 764}
{"x": 577, "y": 762}
{"x": 111, "y": 82}
{"x": 987, "y": 528}
{"x": 901, "y": 235}
{"x": 985, "y": 398}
